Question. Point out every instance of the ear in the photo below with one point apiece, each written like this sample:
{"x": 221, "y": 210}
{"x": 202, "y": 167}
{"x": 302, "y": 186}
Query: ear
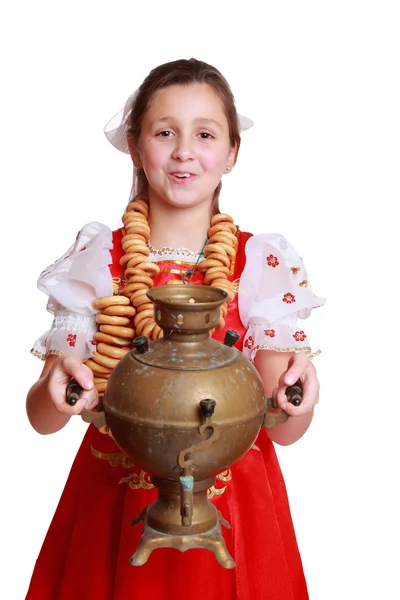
{"x": 232, "y": 157}
{"x": 133, "y": 151}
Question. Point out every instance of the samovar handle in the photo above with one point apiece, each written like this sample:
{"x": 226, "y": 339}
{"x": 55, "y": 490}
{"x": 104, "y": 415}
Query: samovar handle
{"x": 294, "y": 394}
{"x": 73, "y": 392}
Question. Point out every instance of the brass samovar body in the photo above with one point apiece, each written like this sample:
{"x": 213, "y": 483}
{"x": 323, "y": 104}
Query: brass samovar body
{"x": 184, "y": 408}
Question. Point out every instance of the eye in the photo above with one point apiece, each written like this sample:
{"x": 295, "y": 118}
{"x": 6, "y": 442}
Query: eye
{"x": 165, "y": 133}
{"x": 206, "y": 136}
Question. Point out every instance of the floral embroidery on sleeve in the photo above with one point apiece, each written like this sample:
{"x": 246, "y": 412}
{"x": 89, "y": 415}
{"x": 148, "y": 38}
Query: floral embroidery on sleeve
{"x": 249, "y": 343}
{"x": 270, "y": 332}
{"x": 299, "y": 336}
{"x": 288, "y": 298}
{"x": 272, "y": 261}
{"x": 71, "y": 339}
{"x": 304, "y": 283}
{"x": 295, "y": 270}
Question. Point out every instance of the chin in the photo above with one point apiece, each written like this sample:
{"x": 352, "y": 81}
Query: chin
{"x": 192, "y": 202}
{"x": 187, "y": 200}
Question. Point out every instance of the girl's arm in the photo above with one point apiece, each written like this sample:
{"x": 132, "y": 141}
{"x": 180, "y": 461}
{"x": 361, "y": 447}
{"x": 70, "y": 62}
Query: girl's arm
{"x": 46, "y": 404}
{"x": 278, "y": 370}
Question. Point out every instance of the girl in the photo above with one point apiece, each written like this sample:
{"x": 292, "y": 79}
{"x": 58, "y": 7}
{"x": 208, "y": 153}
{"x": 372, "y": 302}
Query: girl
{"x": 182, "y": 131}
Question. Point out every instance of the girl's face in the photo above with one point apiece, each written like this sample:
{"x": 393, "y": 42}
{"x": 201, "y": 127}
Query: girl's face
{"x": 184, "y": 145}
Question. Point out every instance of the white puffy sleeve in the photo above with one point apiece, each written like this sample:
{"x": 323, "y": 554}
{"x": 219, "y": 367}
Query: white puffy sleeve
{"x": 80, "y": 276}
{"x": 274, "y": 293}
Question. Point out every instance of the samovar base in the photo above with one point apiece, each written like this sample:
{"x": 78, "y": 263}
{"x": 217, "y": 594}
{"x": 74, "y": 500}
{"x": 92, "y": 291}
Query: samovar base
{"x": 209, "y": 540}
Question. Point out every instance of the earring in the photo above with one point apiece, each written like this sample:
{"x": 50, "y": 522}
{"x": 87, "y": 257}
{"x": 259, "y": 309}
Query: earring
{"x": 137, "y": 163}
{"x": 228, "y": 168}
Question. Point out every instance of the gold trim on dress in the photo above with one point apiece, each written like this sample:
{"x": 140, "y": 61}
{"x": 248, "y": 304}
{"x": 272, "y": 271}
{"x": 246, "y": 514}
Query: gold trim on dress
{"x": 45, "y": 355}
{"x": 142, "y": 480}
{"x": 137, "y": 481}
{"x": 225, "y": 476}
{"x": 177, "y": 262}
{"x": 213, "y": 491}
{"x": 115, "y": 459}
{"x": 277, "y": 349}
{"x": 235, "y": 284}
{"x": 168, "y": 250}
{"x": 174, "y": 271}
{"x": 117, "y": 282}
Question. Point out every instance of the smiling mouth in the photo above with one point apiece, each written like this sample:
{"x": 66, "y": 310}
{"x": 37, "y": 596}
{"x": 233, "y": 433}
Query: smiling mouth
{"x": 182, "y": 176}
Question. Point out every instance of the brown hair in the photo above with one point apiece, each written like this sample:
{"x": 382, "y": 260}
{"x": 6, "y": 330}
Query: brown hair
{"x": 181, "y": 72}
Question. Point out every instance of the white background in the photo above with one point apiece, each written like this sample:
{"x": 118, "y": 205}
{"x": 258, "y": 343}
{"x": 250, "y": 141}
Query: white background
{"x": 321, "y": 81}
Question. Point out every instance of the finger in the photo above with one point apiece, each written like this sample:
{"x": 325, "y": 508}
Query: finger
{"x": 63, "y": 370}
{"x": 62, "y": 406}
{"x": 93, "y": 399}
{"x": 310, "y": 399}
{"x": 292, "y": 411}
{"x": 297, "y": 368}
{"x": 78, "y": 408}
{"x": 281, "y": 398}
{"x": 311, "y": 391}
{"x": 73, "y": 367}
{"x": 88, "y": 400}
{"x": 276, "y": 400}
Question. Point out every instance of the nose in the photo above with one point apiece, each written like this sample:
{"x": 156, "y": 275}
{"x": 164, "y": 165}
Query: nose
{"x": 183, "y": 149}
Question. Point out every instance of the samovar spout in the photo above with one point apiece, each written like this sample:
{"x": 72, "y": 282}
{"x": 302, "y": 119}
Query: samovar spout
{"x": 187, "y": 483}
{"x": 185, "y": 459}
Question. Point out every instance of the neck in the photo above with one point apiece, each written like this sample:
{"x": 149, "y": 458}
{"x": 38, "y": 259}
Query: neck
{"x": 179, "y": 227}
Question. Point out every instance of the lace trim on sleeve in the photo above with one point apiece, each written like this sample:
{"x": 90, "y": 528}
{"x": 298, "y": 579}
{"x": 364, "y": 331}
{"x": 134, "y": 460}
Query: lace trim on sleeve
{"x": 70, "y": 333}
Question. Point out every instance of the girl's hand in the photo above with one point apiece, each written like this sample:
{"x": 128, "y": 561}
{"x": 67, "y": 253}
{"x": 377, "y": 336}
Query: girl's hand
{"x": 301, "y": 370}
{"x": 58, "y": 377}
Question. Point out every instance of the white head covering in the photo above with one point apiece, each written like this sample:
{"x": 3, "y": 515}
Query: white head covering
{"x": 117, "y": 128}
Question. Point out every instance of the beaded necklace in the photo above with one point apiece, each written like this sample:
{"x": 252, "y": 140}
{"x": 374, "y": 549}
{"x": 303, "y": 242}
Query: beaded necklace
{"x": 191, "y": 271}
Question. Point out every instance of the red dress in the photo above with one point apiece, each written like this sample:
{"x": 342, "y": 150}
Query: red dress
{"x": 86, "y": 552}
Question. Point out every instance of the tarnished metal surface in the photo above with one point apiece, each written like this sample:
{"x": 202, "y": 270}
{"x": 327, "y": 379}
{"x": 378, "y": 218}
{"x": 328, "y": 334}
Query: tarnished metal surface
{"x": 153, "y": 399}
{"x": 155, "y": 409}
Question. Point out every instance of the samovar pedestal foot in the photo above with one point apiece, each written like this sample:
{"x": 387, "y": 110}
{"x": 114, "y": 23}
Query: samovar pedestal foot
{"x": 209, "y": 540}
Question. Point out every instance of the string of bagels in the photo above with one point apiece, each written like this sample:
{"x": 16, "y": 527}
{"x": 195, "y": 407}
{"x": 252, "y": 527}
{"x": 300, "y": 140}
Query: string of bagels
{"x": 130, "y": 314}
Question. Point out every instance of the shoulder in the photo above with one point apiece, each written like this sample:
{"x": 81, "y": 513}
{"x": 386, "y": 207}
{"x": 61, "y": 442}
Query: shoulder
{"x": 90, "y": 235}
{"x": 272, "y": 250}
{"x": 94, "y": 231}
{"x": 276, "y": 240}
{"x": 81, "y": 274}
{"x": 274, "y": 281}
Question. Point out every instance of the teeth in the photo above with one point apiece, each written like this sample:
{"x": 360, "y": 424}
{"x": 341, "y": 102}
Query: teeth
{"x": 181, "y": 175}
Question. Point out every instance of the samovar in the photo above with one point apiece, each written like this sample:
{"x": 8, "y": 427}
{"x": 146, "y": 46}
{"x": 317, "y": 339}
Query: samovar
{"x": 184, "y": 408}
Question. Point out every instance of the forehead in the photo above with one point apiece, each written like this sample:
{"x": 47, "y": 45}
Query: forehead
{"x": 195, "y": 100}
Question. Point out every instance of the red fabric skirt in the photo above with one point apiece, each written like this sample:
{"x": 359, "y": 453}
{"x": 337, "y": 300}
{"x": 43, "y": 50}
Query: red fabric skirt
{"x": 87, "y": 549}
